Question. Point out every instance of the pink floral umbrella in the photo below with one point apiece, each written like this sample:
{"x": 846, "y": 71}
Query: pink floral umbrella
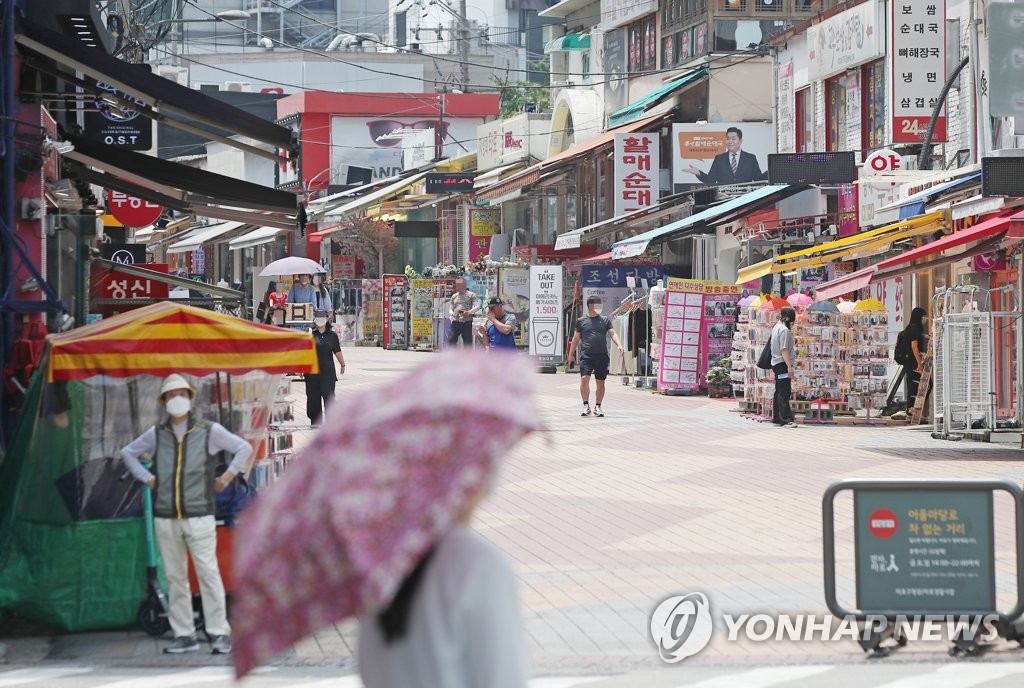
{"x": 377, "y": 487}
{"x": 798, "y": 299}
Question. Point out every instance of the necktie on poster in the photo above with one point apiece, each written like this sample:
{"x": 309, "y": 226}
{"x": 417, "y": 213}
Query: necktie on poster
{"x": 735, "y": 163}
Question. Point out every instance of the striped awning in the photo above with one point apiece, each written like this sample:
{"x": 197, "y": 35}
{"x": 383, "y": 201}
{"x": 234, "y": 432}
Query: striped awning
{"x": 168, "y": 337}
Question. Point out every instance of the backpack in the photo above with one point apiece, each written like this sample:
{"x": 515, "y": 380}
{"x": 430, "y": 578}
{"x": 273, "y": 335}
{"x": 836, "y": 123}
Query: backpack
{"x": 903, "y": 352}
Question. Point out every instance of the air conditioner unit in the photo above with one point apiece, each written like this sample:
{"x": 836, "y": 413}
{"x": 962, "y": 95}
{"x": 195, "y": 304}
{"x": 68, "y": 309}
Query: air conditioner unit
{"x": 237, "y": 86}
{"x": 178, "y": 75}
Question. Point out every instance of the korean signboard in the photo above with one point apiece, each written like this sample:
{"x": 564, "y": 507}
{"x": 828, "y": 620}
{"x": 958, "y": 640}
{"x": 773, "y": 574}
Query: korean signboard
{"x": 132, "y": 211}
{"x": 718, "y": 324}
{"x": 786, "y": 125}
{"x": 118, "y": 286}
{"x": 609, "y": 282}
{"x": 872, "y": 195}
{"x": 546, "y": 338}
{"x": 422, "y": 316}
{"x": 679, "y": 364}
{"x": 719, "y": 153}
{"x": 918, "y": 69}
{"x": 845, "y": 40}
{"x": 483, "y": 224}
{"x": 396, "y": 325}
{"x": 343, "y": 267}
{"x": 619, "y": 12}
{"x": 637, "y": 165}
{"x": 449, "y": 182}
{"x": 924, "y": 550}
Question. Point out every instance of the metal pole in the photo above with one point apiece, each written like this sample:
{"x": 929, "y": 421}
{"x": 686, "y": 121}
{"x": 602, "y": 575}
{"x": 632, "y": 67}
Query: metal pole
{"x": 7, "y": 232}
{"x": 464, "y": 45}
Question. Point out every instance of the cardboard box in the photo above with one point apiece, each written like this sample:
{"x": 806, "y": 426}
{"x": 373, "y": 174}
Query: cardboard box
{"x": 299, "y": 311}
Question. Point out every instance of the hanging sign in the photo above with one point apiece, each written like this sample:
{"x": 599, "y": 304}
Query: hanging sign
{"x": 637, "y": 165}
{"x": 132, "y": 211}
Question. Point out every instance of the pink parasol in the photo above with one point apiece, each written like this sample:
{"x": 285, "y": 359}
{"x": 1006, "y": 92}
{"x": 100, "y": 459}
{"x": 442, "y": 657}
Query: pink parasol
{"x": 377, "y": 487}
{"x": 797, "y": 299}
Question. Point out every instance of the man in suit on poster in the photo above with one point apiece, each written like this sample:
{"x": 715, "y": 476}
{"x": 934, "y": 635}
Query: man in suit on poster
{"x": 734, "y": 166}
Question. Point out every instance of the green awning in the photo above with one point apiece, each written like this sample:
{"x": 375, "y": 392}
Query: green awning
{"x": 639, "y": 107}
{"x": 570, "y": 41}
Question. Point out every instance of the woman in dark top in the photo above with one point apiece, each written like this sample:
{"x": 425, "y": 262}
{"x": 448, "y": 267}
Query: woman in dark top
{"x": 912, "y": 367}
{"x": 320, "y": 387}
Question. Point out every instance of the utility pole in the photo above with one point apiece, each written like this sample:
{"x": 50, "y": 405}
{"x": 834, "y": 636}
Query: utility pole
{"x": 464, "y": 45}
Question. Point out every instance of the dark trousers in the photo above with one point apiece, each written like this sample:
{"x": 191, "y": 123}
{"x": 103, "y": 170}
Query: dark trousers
{"x": 782, "y": 412}
{"x": 913, "y": 378}
{"x": 461, "y": 329}
{"x": 319, "y": 393}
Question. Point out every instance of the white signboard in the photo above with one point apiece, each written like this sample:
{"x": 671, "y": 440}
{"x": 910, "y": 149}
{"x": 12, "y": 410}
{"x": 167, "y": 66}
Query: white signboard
{"x": 637, "y": 164}
{"x": 918, "y": 69}
{"x": 546, "y": 339}
{"x": 786, "y": 120}
{"x": 849, "y": 38}
{"x": 618, "y": 12}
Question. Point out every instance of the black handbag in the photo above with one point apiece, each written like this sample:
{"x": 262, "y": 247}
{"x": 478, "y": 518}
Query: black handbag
{"x": 764, "y": 361}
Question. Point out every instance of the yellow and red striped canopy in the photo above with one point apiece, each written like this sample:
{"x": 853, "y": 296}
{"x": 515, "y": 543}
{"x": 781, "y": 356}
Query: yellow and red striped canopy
{"x": 167, "y": 338}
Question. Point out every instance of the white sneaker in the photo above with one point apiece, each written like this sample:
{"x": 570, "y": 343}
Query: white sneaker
{"x": 586, "y": 410}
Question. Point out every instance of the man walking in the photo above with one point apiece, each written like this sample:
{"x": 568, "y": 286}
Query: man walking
{"x": 782, "y": 366}
{"x": 184, "y": 452}
{"x": 591, "y": 338}
{"x": 464, "y": 305}
{"x": 500, "y": 331}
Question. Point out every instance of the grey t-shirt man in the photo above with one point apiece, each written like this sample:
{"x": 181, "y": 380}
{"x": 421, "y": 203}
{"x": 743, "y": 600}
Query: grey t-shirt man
{"x": 782, "y": 338}
{"x": 593, "y": 335}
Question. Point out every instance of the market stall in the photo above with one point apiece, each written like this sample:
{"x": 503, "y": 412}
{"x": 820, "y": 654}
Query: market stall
{"x": 72, "y": 542}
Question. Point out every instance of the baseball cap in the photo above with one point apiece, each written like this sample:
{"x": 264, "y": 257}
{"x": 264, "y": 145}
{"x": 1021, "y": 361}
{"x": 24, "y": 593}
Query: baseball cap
{"x": 494, "y": 301}
{"x": 321, "y": 313}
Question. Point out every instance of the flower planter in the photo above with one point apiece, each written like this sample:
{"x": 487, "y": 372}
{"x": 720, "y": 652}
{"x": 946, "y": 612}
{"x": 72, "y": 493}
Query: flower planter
{"x": 719, "y": 391}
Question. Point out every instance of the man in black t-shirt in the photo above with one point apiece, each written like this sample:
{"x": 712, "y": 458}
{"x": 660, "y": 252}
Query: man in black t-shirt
{"x": 591, "y": 339}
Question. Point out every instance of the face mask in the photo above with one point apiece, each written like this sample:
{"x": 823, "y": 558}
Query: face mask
{"x": 179, "y": 406}
{"x": 319, "y": 322}
{"x": 598, "y": 307}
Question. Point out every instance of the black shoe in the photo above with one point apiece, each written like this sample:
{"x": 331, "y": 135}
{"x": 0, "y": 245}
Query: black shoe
{"x": 181, "y": 645}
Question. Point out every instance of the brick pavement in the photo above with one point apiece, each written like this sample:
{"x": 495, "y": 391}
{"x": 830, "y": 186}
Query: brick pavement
{"x": 605, "y": 517}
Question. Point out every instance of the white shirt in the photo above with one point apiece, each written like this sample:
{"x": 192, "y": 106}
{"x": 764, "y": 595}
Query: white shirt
{"x": 220, "y": 439}
{"x": 464, "y": 631}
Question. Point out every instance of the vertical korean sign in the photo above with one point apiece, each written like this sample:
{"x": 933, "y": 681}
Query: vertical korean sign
{"x": 719, "y": 325}
{"x": 483, "y": 224}
{"x": 395, "y": 323}
{"x": 680, "y": 346}
{"x": 918, "y": 69}
{"x": 637, "y": 165}
{"x": 786, "y": 125}
{"x": 422, "y": 316}
{"x": 546, "y": 313}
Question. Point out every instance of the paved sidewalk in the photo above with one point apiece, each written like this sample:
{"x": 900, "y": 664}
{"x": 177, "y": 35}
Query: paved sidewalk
{"x": 605, "y": 517}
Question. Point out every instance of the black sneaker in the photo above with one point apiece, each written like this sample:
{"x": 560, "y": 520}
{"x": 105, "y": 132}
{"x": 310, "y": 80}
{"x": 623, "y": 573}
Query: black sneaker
{"x": 598, "y": 412}
{"x": 181, "y": 645}
{"x": 586, "y": 410}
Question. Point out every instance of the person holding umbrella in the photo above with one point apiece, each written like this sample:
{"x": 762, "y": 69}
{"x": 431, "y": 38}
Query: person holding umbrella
{"x": 320, "y": 386}
{"x": 376, "y": 525}
{"x": 302, "y": 291}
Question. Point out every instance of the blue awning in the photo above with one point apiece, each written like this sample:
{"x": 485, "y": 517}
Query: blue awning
{"x": 715, "y": 215}
{"x": 912, "y": 206}
{"x": 639, "y": 107}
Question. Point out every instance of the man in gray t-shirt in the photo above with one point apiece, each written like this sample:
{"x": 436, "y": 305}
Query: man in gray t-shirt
{"x": 782, "y": 365}
{"x": 591, "y": 340}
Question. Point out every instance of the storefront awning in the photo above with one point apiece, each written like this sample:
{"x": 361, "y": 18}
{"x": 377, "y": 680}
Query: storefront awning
{"x": 639, "y": 107}
{"x": 532, "y": 174}
{"x": 373, "y": 197}
{"x": 205, "y": 236}
{"x": 872, "y": 241}
{"x": 1016, "y": 230}
{"x": 485, "y": 179}
{"x": 979, "y": 232}
{"x": 585, "y": 235}
{"x": 257, "y": 237}
{"x": 715, "y": 215}
{"x": 914, "y": 205}
{"x": 570, "y": 41}
{"x": 152, "y": 95}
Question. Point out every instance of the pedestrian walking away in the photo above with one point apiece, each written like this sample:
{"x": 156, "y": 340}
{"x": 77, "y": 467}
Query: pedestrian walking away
{"x": 591, "y": 342}
{"x": 782, "y": 364}
{"x": 500, "y": 331}
{"x": 910, "y": 348}
{"x": 464, "y": 305}
{"x": 185, "y": 454}
{"x": 320, "y": 386}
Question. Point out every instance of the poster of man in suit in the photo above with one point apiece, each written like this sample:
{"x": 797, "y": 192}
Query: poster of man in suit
{"x": 720, "y": 153}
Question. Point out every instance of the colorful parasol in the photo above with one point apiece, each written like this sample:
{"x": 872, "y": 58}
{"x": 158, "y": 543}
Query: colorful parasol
{"x": 377, "y": 487}
{"x": 798, "y": 299}
{"x": 846, "y": 306}
{"x": 873, "y": 305}
{"x": 824, "y": 306}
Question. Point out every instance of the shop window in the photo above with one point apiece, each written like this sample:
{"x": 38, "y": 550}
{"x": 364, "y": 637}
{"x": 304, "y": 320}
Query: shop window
{"x": 771, "y": 5}
{"x": 835, "y": 113}
{"x": 643, "y": 45}
{"x": 636, "y": 48}
{"x": 585, "y": 68}
{"x": 804, "y": 120}
{"x": 650, "y": 60}
{"x": 873, "y": 92}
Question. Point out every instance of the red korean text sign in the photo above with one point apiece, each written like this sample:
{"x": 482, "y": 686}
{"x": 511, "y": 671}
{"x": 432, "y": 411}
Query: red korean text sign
{"x": 637, "y": 176}
{"x": 133, "y": 211}
{"x": 119, "y": 286}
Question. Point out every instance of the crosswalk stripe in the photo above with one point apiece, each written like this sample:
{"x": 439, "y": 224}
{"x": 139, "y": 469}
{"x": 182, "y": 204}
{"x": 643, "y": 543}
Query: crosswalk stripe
{"x": 177, "y": 678}
{"x": 20, "y": 677}
{"x": 959, "y": 675}
{"x": 763, "y": 677}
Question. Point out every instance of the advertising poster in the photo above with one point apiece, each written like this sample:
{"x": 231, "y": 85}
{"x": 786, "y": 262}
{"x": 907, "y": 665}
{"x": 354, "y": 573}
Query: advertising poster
{"x": 514, "y": 291}
{"x": 396, "y": 324}
{"x": 373, "y": 309}
{"x": 545, "y": 327}
{"x": 443, "y": 290}
{"x": 720, "y": 153}
{"x": 719, "y": 325}
{"x": 637, "y": 165}
{"x": 422, "y": 312}
{"x": 678, "y": 367}
{"x": 849, "y": 222}
{"x": 343, "y": 267}
{"x": 483, "y": 224}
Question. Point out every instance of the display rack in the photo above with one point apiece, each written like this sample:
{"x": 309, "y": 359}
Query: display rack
{"x": 271, "y": 456}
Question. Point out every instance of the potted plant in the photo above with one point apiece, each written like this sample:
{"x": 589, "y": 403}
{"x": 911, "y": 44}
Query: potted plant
{"x": 719, "y": 379}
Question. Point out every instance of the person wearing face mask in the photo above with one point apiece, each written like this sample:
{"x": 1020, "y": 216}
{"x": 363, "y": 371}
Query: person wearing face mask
{"x": 320, "y": 386}
{"x": 591, "y": 338}
{"x": 782, "y": 365}
{"x": 185, "y": 453}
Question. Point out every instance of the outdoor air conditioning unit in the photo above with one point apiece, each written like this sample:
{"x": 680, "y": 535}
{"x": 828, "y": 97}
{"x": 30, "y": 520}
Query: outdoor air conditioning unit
{"x": 237, "y": 86}
{"x": 178, "y": 75}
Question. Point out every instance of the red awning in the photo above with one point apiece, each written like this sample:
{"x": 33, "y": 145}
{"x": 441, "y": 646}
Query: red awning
{"x": 982, "y": 230}
{"x": 1016, "y": 230}
{"x": 845, "y": 284}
